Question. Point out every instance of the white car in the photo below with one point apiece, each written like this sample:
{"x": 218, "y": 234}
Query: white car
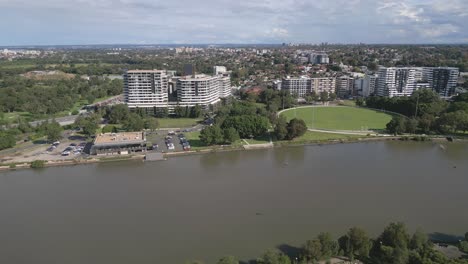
{"x": 170, "y": 146}
{"x": 65, "y": 153}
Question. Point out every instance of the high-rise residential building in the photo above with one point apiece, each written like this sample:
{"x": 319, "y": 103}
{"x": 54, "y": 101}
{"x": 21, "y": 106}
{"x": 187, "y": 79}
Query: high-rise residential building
{"x": 199, "y": 89}
{"x": 323, "y": 84}
{"x": 344, "y": 86}
{"x": 219, "y": 70}
{"x": 365, "y": 86}
{"x": 146, "y": 88}
{"x": 304, "y": 85}
{"x": 393, "y": 81}
{"x": 319, "y": 58}
{"x": 299, "y": 86}
{"x": 225, "y": 89}
{"x": 152, "y": 89}
{"x": 443, "y": 80}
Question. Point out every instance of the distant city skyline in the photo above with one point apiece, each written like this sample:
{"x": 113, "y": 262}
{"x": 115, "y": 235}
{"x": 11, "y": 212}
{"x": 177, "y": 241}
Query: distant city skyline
{"x": 86, "y": 22}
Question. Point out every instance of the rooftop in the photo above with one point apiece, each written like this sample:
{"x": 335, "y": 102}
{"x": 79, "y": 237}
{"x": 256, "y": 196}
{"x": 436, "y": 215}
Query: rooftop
{"x": 120, "y": 138}
{"x": 146, "y": 71}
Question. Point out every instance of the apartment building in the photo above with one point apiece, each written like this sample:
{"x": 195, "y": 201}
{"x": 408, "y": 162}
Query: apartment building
{"x": 393, "y": 81}
{"x": 365, "y": 86}
{"x": 344, "y": 86}
{"x": 299, "y": 86}
{"x": 304, "y": 85}
{"x": 199, "y": 89}
{"x": 146, "y": 88}
{"x": 443, "y": 80}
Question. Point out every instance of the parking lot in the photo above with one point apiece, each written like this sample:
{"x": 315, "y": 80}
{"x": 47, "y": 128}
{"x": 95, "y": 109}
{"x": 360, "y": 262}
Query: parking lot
{"x": 163, "y": 138}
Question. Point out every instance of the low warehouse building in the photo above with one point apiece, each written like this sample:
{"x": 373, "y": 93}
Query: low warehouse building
{"x": 119, "y": 143}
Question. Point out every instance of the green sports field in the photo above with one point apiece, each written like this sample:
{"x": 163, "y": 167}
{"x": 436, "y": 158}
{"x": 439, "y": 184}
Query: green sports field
{"x": 340, "y": 118}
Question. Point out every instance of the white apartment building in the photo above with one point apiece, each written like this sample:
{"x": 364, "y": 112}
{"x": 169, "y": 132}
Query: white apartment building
{"x": 394, "y": 81}
{"x": 200, "y": 90}
{"x": 145, "y": 88}
{"x": 219, "y": 70}
{"x": 365, "y": 86}
{"x": 225, "y": 89}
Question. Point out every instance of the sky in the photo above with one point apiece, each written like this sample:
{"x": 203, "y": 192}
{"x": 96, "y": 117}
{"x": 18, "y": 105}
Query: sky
{"x": 68, "y": 22}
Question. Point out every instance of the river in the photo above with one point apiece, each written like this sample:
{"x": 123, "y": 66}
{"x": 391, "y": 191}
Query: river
{"x": 203, "y": 207}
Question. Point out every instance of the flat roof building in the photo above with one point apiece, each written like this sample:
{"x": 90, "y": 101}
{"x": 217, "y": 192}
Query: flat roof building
{"x": 119, "y": 143}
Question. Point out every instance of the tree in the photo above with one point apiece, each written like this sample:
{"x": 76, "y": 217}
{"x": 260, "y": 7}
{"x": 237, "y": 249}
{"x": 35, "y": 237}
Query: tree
{"x": 396, "y": 126}
{"x": 360, "y": 101}
{"x": 411, "y": 125}
{"x": 118, "y": 113}
{"x": 151, "y": 123}
{"x": 53, "y": 131}
{"x": 195, "y": 111}
{"x": 329, "y": 246}
{"x": 211, "y": 135}
{"x": 7, "y": 140}
{"x": 228, "y": 260}
{"x": 324, "y": 96}
{"x": 296, "y": 128}
{"x": 332, "y": 96}
{"x": 134, "y": 122}
{"x": 355, "y": 243}
{"x": 281, "y": 128}
{"x": 312, "y": 250}
{"x": 230, "y": 135}
{"x": 392, "y": 245}
{"x": 178, "y": 111}
{"x": 273, "y": 257}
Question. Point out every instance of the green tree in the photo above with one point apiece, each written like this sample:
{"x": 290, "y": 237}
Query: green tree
{"x": 178, "y": 111}
{"x": 151, "y": 123}
{"x": 332, "y": 97}
{"x": 134, "y": 123}
{"x": 6, "y": 140}
{"x": 118, "y": 113}
{"x": 53, "y": 131}
{"x": 296, "y": 128}
{"x": 312, "y": 250}
{"x": 273, "y": 257}
{"x": 211, "y": 135}
{"x": 230, "y": 135}
{"x": 228, "y": 260}
{"x": 355, "y": 243}
{"x": 329, "y": 246}
{"x": 411, "y": 125}
{"x": 392, "y": 245}
{"x": 396, "y": 126}
{"x": 281, "y": 128}
{"x": 195, "y": 111}
{"x": 37, "y": 164}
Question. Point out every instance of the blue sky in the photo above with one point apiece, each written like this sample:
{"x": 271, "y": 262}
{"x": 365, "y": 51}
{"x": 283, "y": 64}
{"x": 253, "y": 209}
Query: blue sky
{"x": 48, "y": 22}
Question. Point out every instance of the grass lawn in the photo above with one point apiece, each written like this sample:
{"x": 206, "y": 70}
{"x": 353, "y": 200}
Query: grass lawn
{"x": 260, "y": 140}
{"x": 340, "y": 118}
{"x": 177, "y": 122}
{"x": 320, "y": 136}
{"x": 196, "y": 144}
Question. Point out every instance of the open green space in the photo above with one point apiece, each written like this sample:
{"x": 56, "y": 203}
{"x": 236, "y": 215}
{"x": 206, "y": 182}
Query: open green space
{"x": 340, "y": 118}
{"x": 177, "y": 122}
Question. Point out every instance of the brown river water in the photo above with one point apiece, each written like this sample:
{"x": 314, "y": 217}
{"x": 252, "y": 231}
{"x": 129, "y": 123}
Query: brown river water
{"x": 202, "y": 207}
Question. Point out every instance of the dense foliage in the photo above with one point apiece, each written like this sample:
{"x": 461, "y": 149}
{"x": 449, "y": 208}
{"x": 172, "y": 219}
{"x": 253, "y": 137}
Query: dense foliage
{"x": 395, "y": 245}
{"x": 425, "y": 112}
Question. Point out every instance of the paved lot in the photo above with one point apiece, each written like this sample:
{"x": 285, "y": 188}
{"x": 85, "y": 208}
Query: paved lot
{"x": 158, "y": 137}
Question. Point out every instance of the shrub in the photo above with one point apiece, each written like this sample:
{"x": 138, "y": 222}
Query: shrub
{"x": 38, "y": 164}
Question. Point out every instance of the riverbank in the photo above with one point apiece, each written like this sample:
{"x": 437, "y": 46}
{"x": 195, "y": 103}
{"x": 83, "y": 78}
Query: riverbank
{"x": 216, "y": 149}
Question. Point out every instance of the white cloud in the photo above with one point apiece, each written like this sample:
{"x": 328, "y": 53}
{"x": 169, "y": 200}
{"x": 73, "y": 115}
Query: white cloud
{"x": 241, "y": 21}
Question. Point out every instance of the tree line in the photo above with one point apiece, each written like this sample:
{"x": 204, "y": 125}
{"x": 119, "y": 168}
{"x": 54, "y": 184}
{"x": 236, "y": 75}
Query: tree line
{"x": 395, "y": 245}
{"x": 423, "y": 112}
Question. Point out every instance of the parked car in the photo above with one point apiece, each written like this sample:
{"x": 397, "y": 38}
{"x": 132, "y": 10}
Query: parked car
{"x": 170, "y": 146}
{"x": 171, "y": 133}
{"x": 56, "y": 143}
{"x": 65, "y": 153}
